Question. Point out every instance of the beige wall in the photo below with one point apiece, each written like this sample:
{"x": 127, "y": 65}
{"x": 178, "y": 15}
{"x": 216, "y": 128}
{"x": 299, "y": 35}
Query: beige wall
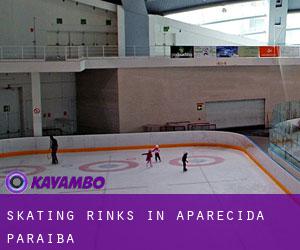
{"x": 159, "y": 95}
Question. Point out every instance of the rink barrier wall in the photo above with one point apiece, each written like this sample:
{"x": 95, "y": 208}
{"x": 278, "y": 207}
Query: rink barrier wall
{"x": 109, "y": 142}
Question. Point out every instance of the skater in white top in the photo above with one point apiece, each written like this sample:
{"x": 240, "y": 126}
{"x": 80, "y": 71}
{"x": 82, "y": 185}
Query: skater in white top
{"x": 156, "y": 152}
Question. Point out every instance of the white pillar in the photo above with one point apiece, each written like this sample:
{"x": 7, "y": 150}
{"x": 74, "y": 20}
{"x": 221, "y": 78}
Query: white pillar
{"x": 121, "y": 30}
{"x": 277, "y": 15}
{"x": 36, "y": 104}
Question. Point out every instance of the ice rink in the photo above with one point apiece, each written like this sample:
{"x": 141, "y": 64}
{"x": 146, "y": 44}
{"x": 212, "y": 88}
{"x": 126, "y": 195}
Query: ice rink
{"x": 211, "y": 170}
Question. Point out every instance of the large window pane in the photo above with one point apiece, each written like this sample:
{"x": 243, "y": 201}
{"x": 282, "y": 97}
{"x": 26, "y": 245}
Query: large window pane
{"x": 293, "y": 20}
{"x": 239, "y": 27}
{"x": 246, "y": 19}
{"x": 262, "y": 37}
{"x": 293, "y": 37}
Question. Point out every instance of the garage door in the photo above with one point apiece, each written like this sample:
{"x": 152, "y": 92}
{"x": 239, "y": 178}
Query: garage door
{"x": 237, "y": 113}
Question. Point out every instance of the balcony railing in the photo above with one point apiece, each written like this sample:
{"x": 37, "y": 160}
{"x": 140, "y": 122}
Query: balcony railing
{"x": 55, "y": 53}
{"x": 65, "y": 53}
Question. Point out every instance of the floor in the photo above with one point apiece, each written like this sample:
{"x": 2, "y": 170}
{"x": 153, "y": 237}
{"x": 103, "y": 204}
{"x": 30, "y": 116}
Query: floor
{"x": 211, "y": 170}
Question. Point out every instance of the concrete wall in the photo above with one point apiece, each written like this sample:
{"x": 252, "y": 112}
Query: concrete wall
{"x": 160, "y": 95}
{"x": 92, "y": 142}
{"x": 58, "y": 100}
{"x": 180, "y": 33}
{"x": 97, "y": 101}
{"x": 17, "y": 17}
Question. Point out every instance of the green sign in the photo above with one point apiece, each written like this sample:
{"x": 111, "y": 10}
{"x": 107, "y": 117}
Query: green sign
{"x": 166, "y": 28}
{"x": 248, "y": 51}
{"x": 6, "y": 108}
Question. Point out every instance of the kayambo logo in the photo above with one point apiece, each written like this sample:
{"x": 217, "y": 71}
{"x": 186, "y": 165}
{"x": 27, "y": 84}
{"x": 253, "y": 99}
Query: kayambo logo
{"x": 17, "y": 182}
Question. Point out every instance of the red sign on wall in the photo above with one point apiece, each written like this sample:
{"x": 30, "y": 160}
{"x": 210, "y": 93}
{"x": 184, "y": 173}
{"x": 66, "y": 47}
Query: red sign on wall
{"x": 269, "y": 51}
{"x": 36, "y": 110}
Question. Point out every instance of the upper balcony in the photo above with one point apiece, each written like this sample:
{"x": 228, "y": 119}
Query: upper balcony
{"x": 14, "y": 59}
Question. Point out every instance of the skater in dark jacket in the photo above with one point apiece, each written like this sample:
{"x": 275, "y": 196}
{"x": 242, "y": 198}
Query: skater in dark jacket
{"x": 53, "y": 147}
{"x": 184, "y": 161}
{"x": 148, "y": 158}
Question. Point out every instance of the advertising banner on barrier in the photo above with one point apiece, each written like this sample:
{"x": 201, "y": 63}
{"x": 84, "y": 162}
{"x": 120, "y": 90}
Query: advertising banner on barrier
{"x": 182, "y": 51}
{"x": 248, "y": 51}
{"x": 269, "y": 51}
{"x": 202, "y": 51}
{"x": 161, "y": 222}
{"x": 289, "y": 51}
{"x": 227, "y": 51}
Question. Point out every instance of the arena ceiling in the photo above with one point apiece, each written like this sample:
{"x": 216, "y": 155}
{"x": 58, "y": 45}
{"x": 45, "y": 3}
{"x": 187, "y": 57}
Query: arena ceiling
{"x": 162, "y": 7}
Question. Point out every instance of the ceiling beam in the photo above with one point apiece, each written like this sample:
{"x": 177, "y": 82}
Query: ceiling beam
{"x": 99, "y": 4}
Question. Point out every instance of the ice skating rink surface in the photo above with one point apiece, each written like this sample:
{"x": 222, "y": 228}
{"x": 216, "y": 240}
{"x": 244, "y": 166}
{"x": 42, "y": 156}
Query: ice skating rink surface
{"x": 211, "y": 170}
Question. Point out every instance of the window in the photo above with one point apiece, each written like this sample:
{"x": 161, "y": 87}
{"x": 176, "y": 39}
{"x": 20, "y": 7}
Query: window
{"x": 293, "y": 29}
{"x": 292, "y": 20}
{"x": 59, "y": 20}
{"x": 293, "y": 37}
{"x": 108, "y": 22}
{"x": 245, "y": 19}
{"x": 83, "y": 21}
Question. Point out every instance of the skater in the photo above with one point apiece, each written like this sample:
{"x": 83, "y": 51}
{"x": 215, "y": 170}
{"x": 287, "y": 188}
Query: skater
{"x": 148, "y": 158}
{"x": 53, "y": 147}
{"x": 184, "y": 161}
{"x": 156, "y": 151}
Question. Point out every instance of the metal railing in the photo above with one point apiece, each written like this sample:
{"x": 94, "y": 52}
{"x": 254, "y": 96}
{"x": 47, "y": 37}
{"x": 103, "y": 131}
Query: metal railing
{"x": 55, "y": 53}
{"x": 65, "y": 53}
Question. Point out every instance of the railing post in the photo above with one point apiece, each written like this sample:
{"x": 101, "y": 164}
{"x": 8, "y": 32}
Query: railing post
{"x": 103, "y": 51}
{"x": 134, "y": 50}
{"x": 22, "y": 52}
{"x": 78, "y": 52}
{"x": 87, "y": 51}
{"x": 1, "y": 53}
{"x": 44, "y": 51}
{"x": 66, "y": 53}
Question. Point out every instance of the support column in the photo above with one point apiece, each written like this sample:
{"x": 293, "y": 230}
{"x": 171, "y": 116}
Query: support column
{"x": 136, "y": 28}
{"x": 36, "y": 104}
{"x": 277, "y": 15}
{"x": 121, "y": 30}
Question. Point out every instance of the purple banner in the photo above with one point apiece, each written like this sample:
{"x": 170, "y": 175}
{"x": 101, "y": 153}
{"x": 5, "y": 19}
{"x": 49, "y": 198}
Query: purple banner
{"x": 135, "y": 222}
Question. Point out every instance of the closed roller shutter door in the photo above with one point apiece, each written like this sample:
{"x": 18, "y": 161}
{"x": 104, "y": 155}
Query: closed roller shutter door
{"x": 241, "y": 113}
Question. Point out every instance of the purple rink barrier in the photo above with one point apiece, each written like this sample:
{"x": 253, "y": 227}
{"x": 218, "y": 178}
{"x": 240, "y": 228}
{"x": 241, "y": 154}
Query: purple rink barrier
{"x": 239, "y": 222}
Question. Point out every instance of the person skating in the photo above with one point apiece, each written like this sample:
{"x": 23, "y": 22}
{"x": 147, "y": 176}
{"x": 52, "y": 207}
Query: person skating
{"x": 156, "y": 151}
{"x": 148, "y": 158}
{"x": 184, "y": 161}
{"x": 53, "y": 147}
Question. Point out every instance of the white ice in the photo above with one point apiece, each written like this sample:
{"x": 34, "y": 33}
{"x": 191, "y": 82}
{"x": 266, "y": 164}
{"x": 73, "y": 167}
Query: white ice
{"x": 236, "y": 174}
